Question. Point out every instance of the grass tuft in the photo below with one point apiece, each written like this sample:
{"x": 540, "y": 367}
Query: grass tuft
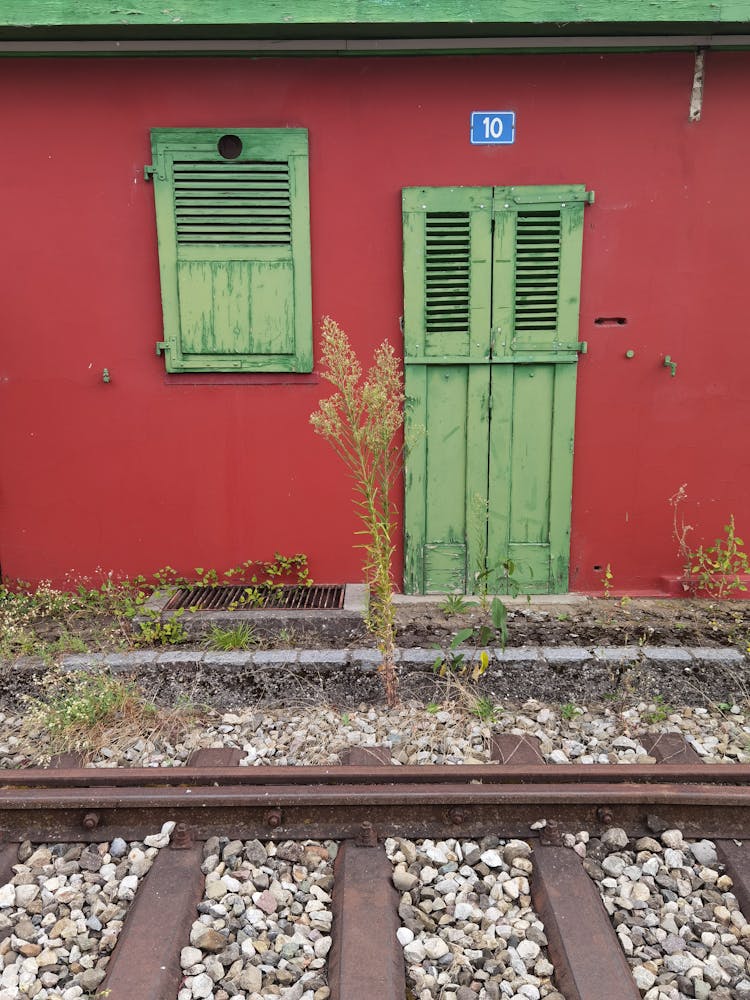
{"x": 83, "y": 712}
{"x": 226, "y": 639}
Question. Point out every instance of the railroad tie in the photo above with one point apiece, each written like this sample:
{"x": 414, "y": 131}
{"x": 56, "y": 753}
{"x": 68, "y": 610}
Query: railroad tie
{"x": 146, "y": 962}
{"x": 366, "y": 961}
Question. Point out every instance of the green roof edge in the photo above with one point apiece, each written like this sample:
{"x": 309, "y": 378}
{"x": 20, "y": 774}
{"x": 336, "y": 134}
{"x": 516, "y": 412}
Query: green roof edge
{"x": 68, "y": 19}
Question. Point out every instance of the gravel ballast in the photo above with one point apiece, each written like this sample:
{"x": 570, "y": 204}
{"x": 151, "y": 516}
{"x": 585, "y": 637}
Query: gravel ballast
{"x": 263, "y": 929}
{"x": 672, "y": 907}
{"x": 468, "y": 930}
{"x": 416, "y": 734}
{"x": 64, "y": 909}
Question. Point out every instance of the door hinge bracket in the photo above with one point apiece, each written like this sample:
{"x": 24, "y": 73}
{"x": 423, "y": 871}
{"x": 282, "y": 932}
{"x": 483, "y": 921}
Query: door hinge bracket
{"x": 161, "y": 345}
{"x": 582, "y": 347}
{"x": 148, "y": 172}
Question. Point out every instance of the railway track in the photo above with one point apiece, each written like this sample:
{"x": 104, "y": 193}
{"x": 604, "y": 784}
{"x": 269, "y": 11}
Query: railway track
{"x": 360, "y": 805}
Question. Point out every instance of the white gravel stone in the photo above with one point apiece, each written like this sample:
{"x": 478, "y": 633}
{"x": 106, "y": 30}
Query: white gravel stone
{"x": 405, "y": 936}
{"x": 189, "y": 957}
{"x": 201, "y": 986}
{"x": 704, "y": 851}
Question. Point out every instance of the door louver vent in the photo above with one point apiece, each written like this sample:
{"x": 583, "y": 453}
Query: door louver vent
{"x": 447, "y": 272}
{"x": 538, "y": 237}
{"x": 237, "y": 203}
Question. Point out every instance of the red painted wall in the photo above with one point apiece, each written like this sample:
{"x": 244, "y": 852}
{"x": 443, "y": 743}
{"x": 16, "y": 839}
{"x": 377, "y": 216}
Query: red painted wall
{"x": 152, "y": 470}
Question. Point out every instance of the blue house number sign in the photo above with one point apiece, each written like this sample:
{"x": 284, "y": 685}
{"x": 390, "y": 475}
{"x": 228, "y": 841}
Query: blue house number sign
{"x": 493, "y": 128}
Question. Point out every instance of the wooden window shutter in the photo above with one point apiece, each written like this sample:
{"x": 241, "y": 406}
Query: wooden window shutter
{"x": 447, "y": 269}
{"x": 537, "y": 271}
{"x": 232, "y": 213}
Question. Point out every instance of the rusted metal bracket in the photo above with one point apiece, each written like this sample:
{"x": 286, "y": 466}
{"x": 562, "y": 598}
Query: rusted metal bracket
{"x": 367, "y": 837}
{"x": 182, "y": 838}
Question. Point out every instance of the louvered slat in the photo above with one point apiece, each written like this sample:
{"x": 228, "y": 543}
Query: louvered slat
{"x": 537, "y": 270}
{"x": 247, "y": 203}
{"x": 447, "y": 259}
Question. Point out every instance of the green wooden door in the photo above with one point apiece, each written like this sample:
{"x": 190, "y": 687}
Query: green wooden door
{"x": 491, "y": 288}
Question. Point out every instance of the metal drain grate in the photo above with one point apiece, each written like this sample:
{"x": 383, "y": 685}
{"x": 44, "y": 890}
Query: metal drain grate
{"x": 317, "y": 597}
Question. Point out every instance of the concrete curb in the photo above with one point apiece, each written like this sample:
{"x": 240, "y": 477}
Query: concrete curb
{"x": 551, "y": 656}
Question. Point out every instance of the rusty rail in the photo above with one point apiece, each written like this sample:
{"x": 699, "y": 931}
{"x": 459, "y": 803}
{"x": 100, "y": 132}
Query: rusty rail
{"x": 361, "y": 804}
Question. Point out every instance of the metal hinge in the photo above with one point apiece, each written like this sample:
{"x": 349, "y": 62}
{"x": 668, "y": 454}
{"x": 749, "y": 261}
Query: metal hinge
{"x": 161, "y": 345}
{"x": 148, "y": 172}
{"x": 583, "y": 347}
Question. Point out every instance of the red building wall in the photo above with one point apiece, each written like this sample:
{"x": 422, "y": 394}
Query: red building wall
{"x": 211, "y": 470}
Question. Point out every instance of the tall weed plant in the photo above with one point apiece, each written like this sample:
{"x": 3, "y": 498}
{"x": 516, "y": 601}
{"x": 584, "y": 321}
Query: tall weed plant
{"x": 362, "y": 421}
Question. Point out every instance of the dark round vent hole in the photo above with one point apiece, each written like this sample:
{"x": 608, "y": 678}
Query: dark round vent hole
{"x": 230, "y": 146}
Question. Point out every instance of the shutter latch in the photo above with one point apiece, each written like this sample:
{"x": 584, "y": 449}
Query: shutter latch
{"x": 161, "y": 345}
{"x": 148, "y": 172}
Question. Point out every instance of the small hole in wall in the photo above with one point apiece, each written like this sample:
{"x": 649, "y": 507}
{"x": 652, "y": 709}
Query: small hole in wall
{"x": 230, "y": 146}
{"x": 597, "y": 569}
{"x": 610, "y": 321}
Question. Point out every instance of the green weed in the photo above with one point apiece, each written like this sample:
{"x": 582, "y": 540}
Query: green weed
{"x": 454, "y": 660}
{"x": 570, "y": 710}
{"x": 362, "y": 421}
{"x": 718, "y": 569}
{"x": 156, "y": 631}
{"x": 660, "y": 712}
{"x": 485, "y": 709}
{"x": 226, "y": 639}
{"x": 454, "y": 604}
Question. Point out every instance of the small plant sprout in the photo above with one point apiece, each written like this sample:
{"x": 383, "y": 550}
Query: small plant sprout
{"x": 432, "y": 707}
{"x": 660, "y": 711}
{"x": 156, "y": 631}
{"x": 485, "y": 709}
{"x": 362, "y": 421}
{"x": 455, "y": 660}
{"x": 607, "y": 581}
{"x": 570, "y": 710}
{"x": 454, "y": 604}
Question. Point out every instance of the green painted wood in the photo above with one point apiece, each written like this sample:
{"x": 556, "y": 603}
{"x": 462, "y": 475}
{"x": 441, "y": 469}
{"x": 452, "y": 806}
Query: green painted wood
{"x": 234, "y": 250}
{"x": 447, "y": 262}
{"x": 561, "y": 476}
{"x": 289, "y": 17}
{"x": 537, "y": 270}
{"x": 415, "y": 475}
{"x": 493, "y": 479}
{"x": 536, "y": 293}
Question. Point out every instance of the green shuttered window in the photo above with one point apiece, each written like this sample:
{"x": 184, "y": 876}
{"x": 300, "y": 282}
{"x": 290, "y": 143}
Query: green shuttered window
{"x": 232, "y": 215}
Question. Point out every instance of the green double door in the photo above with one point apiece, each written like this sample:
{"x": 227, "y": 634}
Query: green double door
{"x": 491, "y": 294}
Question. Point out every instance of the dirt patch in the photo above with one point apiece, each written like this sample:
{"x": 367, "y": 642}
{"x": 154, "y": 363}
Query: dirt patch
{"x": 592, "y": 622}
{"x": 588, "y": 622}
